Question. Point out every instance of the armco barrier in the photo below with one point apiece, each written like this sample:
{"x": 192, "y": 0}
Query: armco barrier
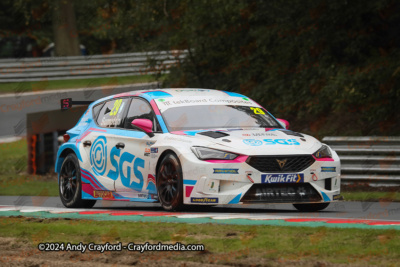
{"x": 84, "y": 67}
{"x": 372, "y": 160}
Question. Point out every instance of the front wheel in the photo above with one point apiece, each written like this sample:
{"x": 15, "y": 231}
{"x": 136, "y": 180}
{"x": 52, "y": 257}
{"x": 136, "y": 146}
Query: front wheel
{"x": 311, "y": 207}
{"x": 170, "y": 183}
{"x": 70, "y": 185}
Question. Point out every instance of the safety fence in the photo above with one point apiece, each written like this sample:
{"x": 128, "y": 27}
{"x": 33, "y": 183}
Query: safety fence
{"x": 371, "y": 160}
{"x": 85, "y": 67}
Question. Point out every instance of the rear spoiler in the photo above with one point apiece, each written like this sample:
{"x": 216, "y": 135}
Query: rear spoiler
{"x": 66, "y": 103}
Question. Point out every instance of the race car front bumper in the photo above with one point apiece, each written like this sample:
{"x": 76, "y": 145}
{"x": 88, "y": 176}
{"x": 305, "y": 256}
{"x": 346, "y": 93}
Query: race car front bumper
{"x": 238, "y": 182}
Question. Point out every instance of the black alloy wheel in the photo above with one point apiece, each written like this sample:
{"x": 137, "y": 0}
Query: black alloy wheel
{"x": 70, "y": 185}
{"x": 170, "y": 183}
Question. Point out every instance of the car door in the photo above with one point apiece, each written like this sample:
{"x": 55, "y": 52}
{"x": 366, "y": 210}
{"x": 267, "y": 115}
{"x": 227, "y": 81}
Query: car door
{"x": 99, "y": 142}
{"x": 133, "y": 156}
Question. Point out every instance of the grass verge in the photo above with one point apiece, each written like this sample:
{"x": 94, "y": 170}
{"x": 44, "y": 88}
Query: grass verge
{"x": 373, "y": 196}
{"x": 224, "y": 244}
{"x": 21, "y": 87}
{"x": 14, "y": 181}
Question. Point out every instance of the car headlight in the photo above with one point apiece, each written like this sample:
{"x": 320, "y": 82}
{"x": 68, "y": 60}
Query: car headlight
{"x": 208, "y": 153}
{"x": 323, "y": 152}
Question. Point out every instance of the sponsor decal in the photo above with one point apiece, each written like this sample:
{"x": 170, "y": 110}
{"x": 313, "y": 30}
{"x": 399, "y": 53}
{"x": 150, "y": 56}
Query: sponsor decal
{"x": 125, "y": 166}
{"x": 147, "y": 152}
{"x": 110, "y": 122}
{"x": 154, "y": 150}
{"x": 192, "y": 90}
{"x": 263, "y": 134}
{"x": 245, "y": 134}
{"x": 282, "y": 178}
{"x": 337, "y": 197}
{"x": 282, "y": 192}
{"x": 204, "y": 101}
{"x": 172, "y": 138}
{"x": 150, "y": 143}
{"x": 226, "y": 171}
{"x": 252, "y": 142}
{"x": 98, "y": 155}
{"x": 281, "y": 142}
{"x": 191, "y": 101}
{"x": 328, "y": 169}
{"x": 102, "y": 194}
{"x": 212, "y": 186}
{"x": 204, "y": 200}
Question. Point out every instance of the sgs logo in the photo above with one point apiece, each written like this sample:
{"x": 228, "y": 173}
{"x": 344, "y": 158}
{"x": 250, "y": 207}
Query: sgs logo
{"x": 98, "y": 155}
{"x": 281, "y": 142}
{"x": 125, "y": 165}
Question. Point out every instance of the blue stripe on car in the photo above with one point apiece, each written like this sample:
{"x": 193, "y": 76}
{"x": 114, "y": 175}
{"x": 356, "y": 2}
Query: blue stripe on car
{"x": 154, "y": 95}
{"x": 189, "y": 182}
{"x": 326, "y": 198}
{"x": 162, "y": 124}
{"x": 234, "y": 94}
{"x": 236, "y": 199}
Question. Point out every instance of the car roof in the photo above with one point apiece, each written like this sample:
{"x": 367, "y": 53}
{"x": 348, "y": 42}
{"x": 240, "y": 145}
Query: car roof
{"x": 173, "y": 92}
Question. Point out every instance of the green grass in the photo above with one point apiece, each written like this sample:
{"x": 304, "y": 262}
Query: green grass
{"x": 225, "y": 244}
{"x": 20, "y": 87}
{"x": 13, "y": 157}
{"x": 14, "y": 181}
{"x": 28, "y": 186}
{"x": 371, "y": 196}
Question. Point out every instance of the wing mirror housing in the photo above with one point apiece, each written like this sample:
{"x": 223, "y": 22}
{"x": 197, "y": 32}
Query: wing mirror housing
{"x": 284, "y": 123}
{"x": 145, "y": 125}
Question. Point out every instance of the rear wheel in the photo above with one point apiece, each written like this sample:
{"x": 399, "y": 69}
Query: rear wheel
{"x": 70, "y": 185}
{"x": 170, "y": 183}
{"x": 311, "y": 207}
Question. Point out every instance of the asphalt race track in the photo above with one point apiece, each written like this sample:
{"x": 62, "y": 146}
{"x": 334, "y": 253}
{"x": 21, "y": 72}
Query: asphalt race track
{"x": 339, "y": 214}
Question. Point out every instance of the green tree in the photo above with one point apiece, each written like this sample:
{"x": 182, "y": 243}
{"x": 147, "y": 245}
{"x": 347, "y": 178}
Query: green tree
{"x": 65, "y": 31}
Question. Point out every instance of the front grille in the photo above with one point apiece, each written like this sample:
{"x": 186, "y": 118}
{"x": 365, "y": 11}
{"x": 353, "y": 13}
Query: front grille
{"x": 270, "y": 164}
{"x": 281, "y": 193}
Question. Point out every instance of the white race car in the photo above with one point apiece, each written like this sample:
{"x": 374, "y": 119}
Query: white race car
{"x": 192, "y": 146}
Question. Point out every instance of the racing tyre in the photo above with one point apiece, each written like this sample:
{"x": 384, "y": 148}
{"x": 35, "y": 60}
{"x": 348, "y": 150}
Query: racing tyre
{"x": 170, "y": 183}
{"x": 311, "y": 207}
{"x": 70, "y": 185}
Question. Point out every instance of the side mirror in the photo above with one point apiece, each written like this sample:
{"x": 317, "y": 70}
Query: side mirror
{"x": 144, "y": 124}
{"x": 284, "y": 123}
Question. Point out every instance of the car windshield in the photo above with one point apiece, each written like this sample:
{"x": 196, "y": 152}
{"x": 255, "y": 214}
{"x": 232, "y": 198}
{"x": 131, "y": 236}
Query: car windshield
{"x": 217, "y": 116}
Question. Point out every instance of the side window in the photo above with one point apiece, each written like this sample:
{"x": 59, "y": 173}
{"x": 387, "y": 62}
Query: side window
{"x": 140, "y": 109}
{"x": 111, "y": 114}
{"x": 96, "y": 110}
